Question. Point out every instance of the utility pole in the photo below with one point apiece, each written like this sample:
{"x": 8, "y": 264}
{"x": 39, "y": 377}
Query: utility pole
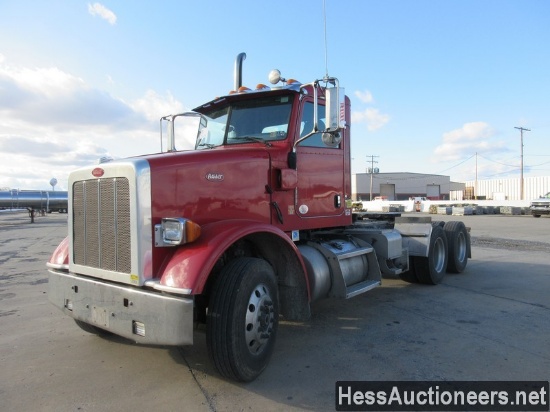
{"x": 372, "y": 162}
{"x": 475, "y": 194}
{"x": 521, "y": 129}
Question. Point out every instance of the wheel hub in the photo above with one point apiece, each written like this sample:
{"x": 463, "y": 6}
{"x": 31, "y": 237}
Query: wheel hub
{"x": 259, "y": 319}
{"x": 462, "y": 247}
{"x": 439, "y": 255}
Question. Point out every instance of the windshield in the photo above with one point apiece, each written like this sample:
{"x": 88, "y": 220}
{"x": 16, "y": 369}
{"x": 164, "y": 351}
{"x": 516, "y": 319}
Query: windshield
{"x": 263, "y": 120}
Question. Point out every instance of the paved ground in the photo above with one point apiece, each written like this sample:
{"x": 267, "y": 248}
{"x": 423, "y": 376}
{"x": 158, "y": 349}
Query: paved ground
{"x": 490, "y": 323}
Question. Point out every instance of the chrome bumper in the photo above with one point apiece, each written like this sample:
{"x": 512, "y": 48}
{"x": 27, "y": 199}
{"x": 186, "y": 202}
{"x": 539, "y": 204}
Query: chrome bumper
{"x": 140, "y": 315}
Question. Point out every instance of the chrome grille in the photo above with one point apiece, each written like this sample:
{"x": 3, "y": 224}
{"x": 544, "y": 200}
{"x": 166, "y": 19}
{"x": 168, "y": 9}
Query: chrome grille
{"x": 101, "y": 224}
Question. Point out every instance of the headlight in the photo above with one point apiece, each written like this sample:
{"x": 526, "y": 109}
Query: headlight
{"x": 173, "y": 231}
{"x": 176, "y": 231}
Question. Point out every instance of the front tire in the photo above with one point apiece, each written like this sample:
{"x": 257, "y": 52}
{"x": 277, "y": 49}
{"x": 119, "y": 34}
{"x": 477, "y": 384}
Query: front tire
{"x": 242, "y": 319}
{"x": 431, "y": 270}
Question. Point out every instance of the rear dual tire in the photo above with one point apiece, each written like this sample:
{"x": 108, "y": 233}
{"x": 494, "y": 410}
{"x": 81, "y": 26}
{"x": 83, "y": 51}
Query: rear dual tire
{"x": 449, "y": 250}
{"x": 431, "y": 269}
{"x": 459, "y": 246}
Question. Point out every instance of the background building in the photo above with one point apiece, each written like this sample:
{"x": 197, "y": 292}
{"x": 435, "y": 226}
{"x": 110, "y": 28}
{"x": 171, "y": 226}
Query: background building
{"x": 402, "y": 186}
{"x": 507, "y": 189}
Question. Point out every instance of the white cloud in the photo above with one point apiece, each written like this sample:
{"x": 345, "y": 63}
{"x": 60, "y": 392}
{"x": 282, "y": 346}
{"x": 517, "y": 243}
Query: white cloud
{"x": 98, "y": 9}
{"x": 49, "y": 97}
{"x": 470, "y": 138}
{"x": 457, "y": 153}
{"x": 52, "y": 122}
{"x": 365, "y": 97}
{"x": 372, "y": 117}
{"x": 45, "y": 81}
{"x": 469, "y": 131}
{"x": 153, "y": 106}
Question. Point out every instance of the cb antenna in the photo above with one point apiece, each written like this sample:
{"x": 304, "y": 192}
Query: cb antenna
{"x": 326, "y": 47}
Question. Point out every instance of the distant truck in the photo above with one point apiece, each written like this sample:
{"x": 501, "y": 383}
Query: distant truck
{"x": 255, "y": 223}
{"x": 540, "y": 206}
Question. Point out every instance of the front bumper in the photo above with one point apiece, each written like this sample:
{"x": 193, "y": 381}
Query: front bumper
{"x": 143, "y": 316}
{"x": 540, "y": 209}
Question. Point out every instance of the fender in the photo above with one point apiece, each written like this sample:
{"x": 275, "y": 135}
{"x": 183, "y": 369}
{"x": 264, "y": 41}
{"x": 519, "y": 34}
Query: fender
{"x": 60, "y": 257}
{"x": 189, "y": 266}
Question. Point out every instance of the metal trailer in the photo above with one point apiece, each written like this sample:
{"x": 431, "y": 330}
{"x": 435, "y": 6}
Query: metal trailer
{"x": 47, "y": 200}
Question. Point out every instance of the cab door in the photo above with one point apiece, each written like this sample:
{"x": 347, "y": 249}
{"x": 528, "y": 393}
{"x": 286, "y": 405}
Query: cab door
{"x": 320, "y": 170}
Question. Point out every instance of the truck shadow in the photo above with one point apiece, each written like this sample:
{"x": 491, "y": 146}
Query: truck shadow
{"x": 400, "y": 331}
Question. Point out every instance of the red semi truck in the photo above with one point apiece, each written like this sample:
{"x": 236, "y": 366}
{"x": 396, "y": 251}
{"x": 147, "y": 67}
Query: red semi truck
{"x": 254, "y": 224}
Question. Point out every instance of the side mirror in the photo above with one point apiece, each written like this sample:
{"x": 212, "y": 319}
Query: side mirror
{"x": 331, "y": 139}
{"x": 335, "y": 113}
{"x": 335, "y": 108}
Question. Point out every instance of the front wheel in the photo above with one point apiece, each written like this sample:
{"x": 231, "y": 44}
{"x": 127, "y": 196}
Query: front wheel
{"x": 431, "y": 269}
{"x": 242, "y": 319}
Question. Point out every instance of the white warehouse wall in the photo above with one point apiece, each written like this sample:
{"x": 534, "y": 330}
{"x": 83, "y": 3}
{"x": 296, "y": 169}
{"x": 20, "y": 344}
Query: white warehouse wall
{"x": 509, "y": 189}
{"x": 415, "y": 184}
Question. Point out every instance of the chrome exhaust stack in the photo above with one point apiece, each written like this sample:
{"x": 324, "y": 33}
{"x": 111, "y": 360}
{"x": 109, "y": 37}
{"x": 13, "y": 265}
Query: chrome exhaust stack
{"x": 238, "y": 73}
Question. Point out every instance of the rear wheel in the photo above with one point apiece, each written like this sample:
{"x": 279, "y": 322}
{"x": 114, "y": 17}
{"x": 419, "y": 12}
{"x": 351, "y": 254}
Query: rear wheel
{"x": 431, "y": 269}
{"x": 410, "y": 275}
{"x": 242, "y": 319}
{"x": 457, "y": 237}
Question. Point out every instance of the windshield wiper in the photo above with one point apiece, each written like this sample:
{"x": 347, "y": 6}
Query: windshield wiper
{"x": 209, "y": 145}
{"x": 252, "y": 139}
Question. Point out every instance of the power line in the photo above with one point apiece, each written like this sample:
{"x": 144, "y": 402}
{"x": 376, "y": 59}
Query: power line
{"x": 494, "y": 161}
{"x": 458, "y": 164}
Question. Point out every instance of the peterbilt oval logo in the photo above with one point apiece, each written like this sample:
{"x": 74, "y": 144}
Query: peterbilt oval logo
{"x": 98, "y": 172}
{"x": 214, "y": 177}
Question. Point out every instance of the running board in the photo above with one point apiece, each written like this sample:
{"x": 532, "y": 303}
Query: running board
{"x": 351, "y": 264}
{"x": 341, "y": 277}
{"x": 361, "y": 287}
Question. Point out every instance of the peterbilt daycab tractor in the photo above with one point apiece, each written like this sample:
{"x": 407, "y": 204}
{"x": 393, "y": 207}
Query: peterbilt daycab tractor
{"x": 253, "y": 224}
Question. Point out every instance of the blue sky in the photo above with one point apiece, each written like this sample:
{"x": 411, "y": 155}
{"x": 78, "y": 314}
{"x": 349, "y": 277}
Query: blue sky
{"x": 432, "y": 83}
